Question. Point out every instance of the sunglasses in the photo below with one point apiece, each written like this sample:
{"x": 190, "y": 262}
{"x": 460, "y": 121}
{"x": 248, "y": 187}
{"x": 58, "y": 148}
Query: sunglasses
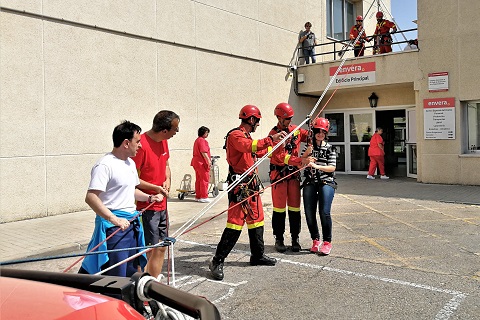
{"x": 289, "y": 118}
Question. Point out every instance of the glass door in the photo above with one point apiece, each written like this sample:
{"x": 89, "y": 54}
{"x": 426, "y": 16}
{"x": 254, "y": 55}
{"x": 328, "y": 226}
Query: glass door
{"x": 350, "y": 133}
{"x": 411, "y": 143}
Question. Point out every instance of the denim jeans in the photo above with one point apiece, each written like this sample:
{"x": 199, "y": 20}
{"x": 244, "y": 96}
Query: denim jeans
{"x": 307, "y": 53}
{"x": 322, "y": 195}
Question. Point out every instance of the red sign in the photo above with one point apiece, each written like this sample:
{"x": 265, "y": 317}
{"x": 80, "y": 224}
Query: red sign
{"x": 439, "y": 103}
{"x": 354, "y": 68}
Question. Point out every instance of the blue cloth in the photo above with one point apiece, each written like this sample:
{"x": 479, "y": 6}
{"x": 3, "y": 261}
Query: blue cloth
{"x": 93, "y": 263}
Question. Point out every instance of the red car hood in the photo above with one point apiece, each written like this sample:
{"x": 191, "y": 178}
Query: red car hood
{"x": 25, "y": 299}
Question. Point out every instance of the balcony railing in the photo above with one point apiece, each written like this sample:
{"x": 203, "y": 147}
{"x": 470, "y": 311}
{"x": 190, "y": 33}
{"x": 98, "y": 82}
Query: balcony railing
{"x": 340, "y": 47}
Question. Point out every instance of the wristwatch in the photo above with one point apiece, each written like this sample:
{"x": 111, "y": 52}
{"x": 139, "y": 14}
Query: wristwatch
{"x": 149, "y": 199}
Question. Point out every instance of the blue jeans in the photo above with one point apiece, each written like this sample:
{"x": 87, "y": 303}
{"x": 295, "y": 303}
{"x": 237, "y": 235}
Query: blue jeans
{"x": 307, "y": 53}
{"x": 322, "y": 195}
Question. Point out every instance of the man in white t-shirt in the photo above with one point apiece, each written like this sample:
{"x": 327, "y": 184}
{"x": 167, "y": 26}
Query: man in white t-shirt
{"x": 111, "y": 195}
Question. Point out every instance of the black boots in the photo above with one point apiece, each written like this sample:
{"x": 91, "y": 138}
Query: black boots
{"x": 262, "y": 261}
{"x": 216, "y": 267}
{"x": 295, "y": 244}
{"x": 280, "y": 246}
{"x": 226, "y": 244}
{"x": 278, "y": 226}
{"x": 257, "y": 248}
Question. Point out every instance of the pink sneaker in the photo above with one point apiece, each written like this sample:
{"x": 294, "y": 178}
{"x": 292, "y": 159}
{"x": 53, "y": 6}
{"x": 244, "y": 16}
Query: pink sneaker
{"x": 315, "y": 247}
{"x": 326, "y": 248}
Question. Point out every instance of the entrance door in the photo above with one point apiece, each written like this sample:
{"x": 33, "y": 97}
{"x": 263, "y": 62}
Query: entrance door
{"x": 411, "y": 143}
{"x": 394, "y": 125}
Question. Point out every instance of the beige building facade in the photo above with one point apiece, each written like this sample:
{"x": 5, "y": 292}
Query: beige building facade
{"x": 72, "y": 70}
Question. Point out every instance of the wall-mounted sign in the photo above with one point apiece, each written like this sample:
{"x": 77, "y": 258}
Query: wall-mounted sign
{"x": 439, "y": 118}
{"x": 438, "y": 81}
{"x": 354, "y": 74}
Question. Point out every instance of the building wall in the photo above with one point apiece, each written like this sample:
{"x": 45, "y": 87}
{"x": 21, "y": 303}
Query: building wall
{"x": 402, "y": 81}
{"x": 449, "y": 49}
{"x": 72, "y": 70}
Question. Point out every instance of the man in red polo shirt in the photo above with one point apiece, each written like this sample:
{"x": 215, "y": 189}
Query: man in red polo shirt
{"x": 154, "y": 173}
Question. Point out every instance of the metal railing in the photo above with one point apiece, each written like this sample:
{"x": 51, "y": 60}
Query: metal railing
{"x": 341, "y": 46}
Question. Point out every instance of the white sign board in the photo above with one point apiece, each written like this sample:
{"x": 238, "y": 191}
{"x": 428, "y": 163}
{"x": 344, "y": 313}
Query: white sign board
{"x": 354, "y": 74}
{"x": 438, "y": 81}
{"x": 439, "y": 118}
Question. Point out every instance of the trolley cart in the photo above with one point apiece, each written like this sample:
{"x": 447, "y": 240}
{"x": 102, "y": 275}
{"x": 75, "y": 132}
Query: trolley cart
{"x": 214, "y": 177}
{"x": 186, "y": 184}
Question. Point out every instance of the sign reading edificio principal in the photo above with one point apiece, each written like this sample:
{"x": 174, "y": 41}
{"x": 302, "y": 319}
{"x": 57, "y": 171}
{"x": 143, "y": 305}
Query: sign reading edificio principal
{"x": 354, "y": 74}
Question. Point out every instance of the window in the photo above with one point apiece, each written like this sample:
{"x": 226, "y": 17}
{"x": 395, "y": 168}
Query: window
{"x": 340, "y": 17}
{"x": 473, "y": 126}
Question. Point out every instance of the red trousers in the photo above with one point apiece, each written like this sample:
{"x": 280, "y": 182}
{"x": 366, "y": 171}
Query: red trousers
{"x": 202, "y": 178}
{"x": 237, "y": 216}
{"x": 286, "y": 192}
{"x": 374, "y": 162}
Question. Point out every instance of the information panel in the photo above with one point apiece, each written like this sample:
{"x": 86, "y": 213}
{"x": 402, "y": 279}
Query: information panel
{"x": 439, "y": 118}
{"x": 438, "y": 81}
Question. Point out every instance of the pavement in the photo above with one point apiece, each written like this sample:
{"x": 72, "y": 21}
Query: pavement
{"x": 70, "y": 232}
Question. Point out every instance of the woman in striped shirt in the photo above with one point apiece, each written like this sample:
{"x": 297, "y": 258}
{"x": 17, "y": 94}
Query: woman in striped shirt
{"x": 319, "y": 186}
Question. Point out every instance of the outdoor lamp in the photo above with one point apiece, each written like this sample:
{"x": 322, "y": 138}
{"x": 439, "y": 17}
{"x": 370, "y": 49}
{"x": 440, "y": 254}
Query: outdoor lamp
{"x": 373, "y": 99}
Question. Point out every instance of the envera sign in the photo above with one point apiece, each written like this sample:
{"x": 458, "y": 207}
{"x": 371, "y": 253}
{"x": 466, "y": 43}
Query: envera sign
{"x": 354, "y": 74}
{"x": 439, "y": 118}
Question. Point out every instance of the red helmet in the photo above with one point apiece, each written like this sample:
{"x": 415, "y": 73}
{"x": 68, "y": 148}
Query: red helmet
{"x": 322, "y": 124}
{"x": 248, "y": 111}
{"x": 379, "y": 15}
{"x": 284, "y": 110}
{"x": 359, "y": 18}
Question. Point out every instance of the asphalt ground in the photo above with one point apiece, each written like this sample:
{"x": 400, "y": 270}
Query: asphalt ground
{"x": 401, "y": 250}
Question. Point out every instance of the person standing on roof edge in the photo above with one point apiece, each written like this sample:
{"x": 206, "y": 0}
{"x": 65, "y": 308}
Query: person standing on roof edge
{"x": 308, "y": 41}
{"x": 111, "y": 195}
{"x": 284, "y": 162}
{"x": 152, "y": 163}
{"x": 319, "y": 186}
{"x": 241, "y": 155}
{"x": 382, "y": 33}
{"x": 359, "y": 46}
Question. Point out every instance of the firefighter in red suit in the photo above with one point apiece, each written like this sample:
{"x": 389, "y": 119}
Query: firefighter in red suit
{"x": 382, "y": 33}
{"x": 283, "y": 163}
{"x": 359, "y": 46}
{"x": 241, "y": 154}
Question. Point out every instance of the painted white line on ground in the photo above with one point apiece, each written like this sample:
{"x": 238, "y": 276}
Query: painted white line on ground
{"x": 450, "y": 307}
{"x": 444, "y": 314}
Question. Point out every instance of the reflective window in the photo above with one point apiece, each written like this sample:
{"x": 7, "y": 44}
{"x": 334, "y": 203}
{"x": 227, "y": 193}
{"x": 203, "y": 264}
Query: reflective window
{"x": 359, "y": 157}
{"x": 340, "y": 17}
{"x": 473, "y": 126}
{"x": 361, "y": 127}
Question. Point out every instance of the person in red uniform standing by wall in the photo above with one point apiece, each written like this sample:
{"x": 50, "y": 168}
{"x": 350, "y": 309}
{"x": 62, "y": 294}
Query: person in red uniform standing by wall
{"x": 285, "y": 161}
{"x": 359, "y": 46}
{"x": 241, "y": 154}
{"x": 201, "y": 162}
{"x": 154, "y": 173}
{"x": 376, "y": 152}
{"x": 382, "y": 33}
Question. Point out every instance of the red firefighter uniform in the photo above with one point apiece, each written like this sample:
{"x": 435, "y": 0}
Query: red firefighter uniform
{"x": 382, "y": 33}
{"x": 284, "y": 161}
{"x": 241, "y": 150}
{"x": 244, "y": 204}
{"x": 354, "y": 32}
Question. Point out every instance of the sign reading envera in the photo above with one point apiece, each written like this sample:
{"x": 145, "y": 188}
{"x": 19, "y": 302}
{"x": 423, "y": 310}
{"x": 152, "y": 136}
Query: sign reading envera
{"x": 354, "y": 74}
{"x": 439, "y": 118}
